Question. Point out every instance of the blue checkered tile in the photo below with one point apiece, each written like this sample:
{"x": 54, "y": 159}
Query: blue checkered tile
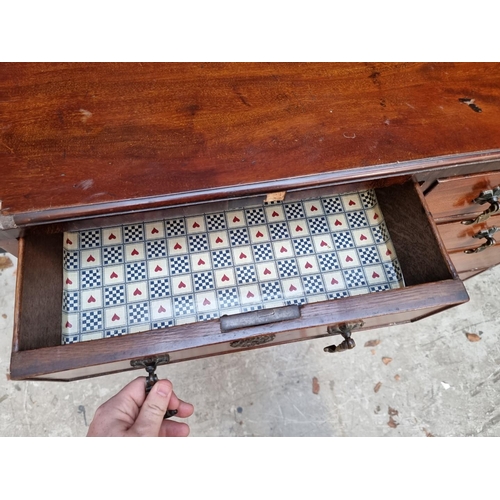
{"x": 198, "y": 242}
{"x": 299, "y": 301}
{"x": 342, "y": 240}
{"x": 134, "y": 232}
{"x": 71, "y": 260}
{"x": 159, "y": 288}
{"x": 179, "y": 265}
{"x": 303, "y": 246}
{"x": 338, "y": 295}
{"x": 357, "y": 219}
{"x": 175, "y": 227}
{"x": 91, "y": 320}
{"x": 90, "y": 278}
{"x": 368, "y": 199}
{"x": 332, "y": 205}
{"x": 313, "y": 284}
{"x": 208, "y": 316}
{"x": 162, "y": 324}
{"x": 228, "y": 297}
{"x": 90, "y": 239}
{"x": 294, "y": 211}
{"x": 203, "y": 281}
{"x": 135, "y": 271}
{"x": 271, "y": 291}
{"x": 328, "y": 262}
{"x": 222, "y": 258}
{"x": 318, "y": 225}
{"x": 255, "y": 216}
{"x": 246, "y": 274}
{"x": 112, "y": 255}
{"x": 215, "y": 222}
{"x": 379, "y": 288}
{"x": 393, "y": 271}
{"x": 354, "y": 277}
{"x": 368, "y": 255}
{"x": 239, "y": 237}
{"x": 156, "y": 248}
{"x": 70, "y": 301}
{"x": 380, "y": 233}
{"x": 184, "y": 305}
{"x": 287, "y": 268}
{"x": 138, "y": 313}
{"x": 114, "y": 295}
{"x": 263, "y": 252}
{"x": 116, "y": 332}
{"x": 279, "y": 231}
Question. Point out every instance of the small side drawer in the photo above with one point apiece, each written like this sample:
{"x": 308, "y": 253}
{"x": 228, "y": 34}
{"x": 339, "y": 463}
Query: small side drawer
{"x": 476, "y": 261}
{"x": 458, "y": 236}
{"x": 431, "y": 285}
{"x": 453, "y": 197}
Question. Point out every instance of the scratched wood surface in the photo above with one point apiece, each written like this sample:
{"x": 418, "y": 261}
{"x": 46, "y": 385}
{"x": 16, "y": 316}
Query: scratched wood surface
{"x": 101, "y": 135}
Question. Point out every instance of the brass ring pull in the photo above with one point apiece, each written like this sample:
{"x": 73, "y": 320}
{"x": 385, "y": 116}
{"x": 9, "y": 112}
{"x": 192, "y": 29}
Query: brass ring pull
{"x": 490, "y": 196}
{"x": 490, "y": 241}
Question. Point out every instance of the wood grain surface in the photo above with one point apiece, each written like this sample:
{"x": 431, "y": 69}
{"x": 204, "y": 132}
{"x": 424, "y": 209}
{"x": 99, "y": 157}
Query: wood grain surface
{"x": 82, "y": 139}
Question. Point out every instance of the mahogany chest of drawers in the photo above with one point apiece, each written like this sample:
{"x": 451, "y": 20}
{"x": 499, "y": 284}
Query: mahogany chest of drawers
{"x": 89, "y": 146}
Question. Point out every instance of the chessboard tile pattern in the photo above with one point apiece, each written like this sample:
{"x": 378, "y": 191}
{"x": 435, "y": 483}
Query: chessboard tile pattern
{"x": 145, "y": 276}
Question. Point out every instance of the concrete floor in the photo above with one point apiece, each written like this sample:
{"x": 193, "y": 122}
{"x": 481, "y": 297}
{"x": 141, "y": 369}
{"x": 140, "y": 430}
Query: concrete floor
{"x": 438, "y": 382}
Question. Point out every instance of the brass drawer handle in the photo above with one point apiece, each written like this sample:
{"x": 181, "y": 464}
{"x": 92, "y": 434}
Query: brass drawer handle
{"x": 490, "y": 241}
{"x": 490, "y": 196}
{"x": 345, "y": 330}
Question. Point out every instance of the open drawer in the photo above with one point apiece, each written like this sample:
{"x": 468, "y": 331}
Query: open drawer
{"x": 431, "y": 285}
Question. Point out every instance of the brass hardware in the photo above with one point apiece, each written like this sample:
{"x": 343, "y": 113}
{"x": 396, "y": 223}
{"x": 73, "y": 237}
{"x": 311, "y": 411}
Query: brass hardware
{"x": 490, "y": 241}
{"x": 253, "y": 341}
{"x": 345, "y": 330}
{"x": 490, "y": 196}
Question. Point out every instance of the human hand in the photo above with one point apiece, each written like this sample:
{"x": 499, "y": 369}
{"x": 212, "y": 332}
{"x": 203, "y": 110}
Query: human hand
{"x": 131, "y": 413}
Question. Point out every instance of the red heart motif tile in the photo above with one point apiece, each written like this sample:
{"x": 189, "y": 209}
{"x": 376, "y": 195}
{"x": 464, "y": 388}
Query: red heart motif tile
{"x": 135, "y": 252}
{"x": 225, "y": 278}
{"x": 275, "y": 214}
{"x": 337, "y": 222}
{"x": 137, "y": 292}
{"x": 68, "y": 324}
{"x": 334, "y": 281}
{"x": 259, "y": 234}
{"x": 283, "y": 250}
{"x": 236, "y": 219}
{"x": 182, "y": 285}
{"x": 201, "y": 262}
{"x": 292, "y": 288}
{"x": 115, "y": 317}
{"x": 68, "y": 241}
{"x": 243, "y": 256}
{"x": 113, "y": 275}
{"x": 323, "y": 243}
{"x": 298, "y": 228}
{"x": 68, "y": 281}
{"x": 111, "y": 237}
{"x": 206, "y": 302}
{"x": 388, "y": 252}
{"x": 375, "y": 216}
{"x": 161, "y": 309}
{"x": 250, "y": 295}
{"x": 348, "y": 258}
{"x": 266, "y": 271}
{"x": 90, "y": 259}
{"x": 351, "y": 203}
{"x": 314, "y": 208}
{"x": 363, "y": 237}
{"x": 308, "y": 265}
{"x": 154, "y": 231}
{"x": 91, "y": 299}
{"x": 375, "y": 275}
{"x": 177, "y": 246}
{"x": 196, "y": 225}
{"x": 219, "y": 240}
{"x": 158, "y": 269}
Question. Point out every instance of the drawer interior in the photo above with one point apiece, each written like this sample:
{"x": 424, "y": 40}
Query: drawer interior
{"x": 414, "y": 237}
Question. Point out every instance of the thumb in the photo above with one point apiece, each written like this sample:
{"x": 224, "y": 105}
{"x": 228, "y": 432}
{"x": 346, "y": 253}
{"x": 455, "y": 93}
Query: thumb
{"x": 153, "y": 410}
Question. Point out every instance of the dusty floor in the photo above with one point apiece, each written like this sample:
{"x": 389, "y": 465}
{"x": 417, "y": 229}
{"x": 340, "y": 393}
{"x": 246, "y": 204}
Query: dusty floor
{"x": 436, "y": 382}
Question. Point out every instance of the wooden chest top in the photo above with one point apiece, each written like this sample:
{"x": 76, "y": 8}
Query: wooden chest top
{"x": 87, "y": 139}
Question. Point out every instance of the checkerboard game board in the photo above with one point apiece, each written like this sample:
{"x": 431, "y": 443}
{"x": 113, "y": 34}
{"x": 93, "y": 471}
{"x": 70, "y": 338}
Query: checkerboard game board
{"x": 145, "y": 276}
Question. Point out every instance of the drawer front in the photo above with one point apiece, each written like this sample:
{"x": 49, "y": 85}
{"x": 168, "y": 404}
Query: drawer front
{"x": 458, "y": 236}
{"x": 431, "y": 285}
{"x": 453, "y": 197}
{"x": 469, "y": 262}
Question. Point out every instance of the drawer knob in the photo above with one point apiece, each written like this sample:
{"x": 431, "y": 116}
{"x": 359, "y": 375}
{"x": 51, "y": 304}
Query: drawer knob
{"x": 345, "y": 330}
{"x": 490, "y": 196}
{"x": 490, "y": 241}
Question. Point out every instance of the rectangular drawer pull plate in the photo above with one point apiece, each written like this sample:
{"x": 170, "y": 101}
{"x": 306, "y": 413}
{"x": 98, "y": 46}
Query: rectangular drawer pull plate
{"x": 260, "y": 317}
